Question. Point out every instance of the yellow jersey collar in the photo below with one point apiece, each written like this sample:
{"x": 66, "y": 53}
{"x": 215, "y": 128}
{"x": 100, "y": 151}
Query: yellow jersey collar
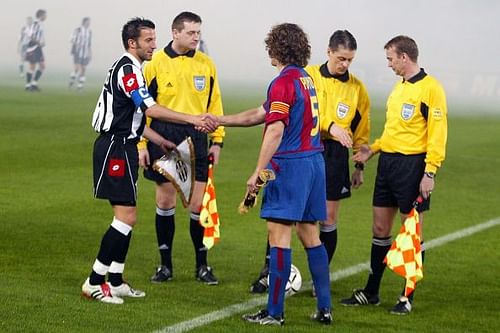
{"x": 323, "y": 69}
{"x": 417, "y": 77}
{"x": 172, "y": 54}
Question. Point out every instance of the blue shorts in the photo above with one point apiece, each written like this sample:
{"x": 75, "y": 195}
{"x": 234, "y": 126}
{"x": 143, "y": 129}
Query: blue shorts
{"x": 298, "y": 193}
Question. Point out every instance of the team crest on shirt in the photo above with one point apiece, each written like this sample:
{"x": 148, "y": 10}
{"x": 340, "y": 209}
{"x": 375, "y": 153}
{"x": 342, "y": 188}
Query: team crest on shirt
{"x": 407, "y": 111}
{"x": 199, "y": 82}
{"x": 342, "y": 110}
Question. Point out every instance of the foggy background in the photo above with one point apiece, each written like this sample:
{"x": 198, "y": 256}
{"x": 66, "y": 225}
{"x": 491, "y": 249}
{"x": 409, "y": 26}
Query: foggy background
{"x": 458, "y": 40}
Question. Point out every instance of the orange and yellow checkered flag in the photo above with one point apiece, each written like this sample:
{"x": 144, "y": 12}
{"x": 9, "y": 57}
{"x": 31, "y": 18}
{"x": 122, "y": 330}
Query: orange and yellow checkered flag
{"x": 209, "y": 217}
{"x": 405, "y": 256}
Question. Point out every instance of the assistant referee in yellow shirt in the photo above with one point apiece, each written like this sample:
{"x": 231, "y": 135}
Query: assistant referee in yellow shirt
{"x": 412, "y": 148}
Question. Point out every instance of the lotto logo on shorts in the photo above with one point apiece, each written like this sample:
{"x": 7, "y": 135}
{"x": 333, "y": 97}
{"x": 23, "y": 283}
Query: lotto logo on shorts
{"x": 116, "y": 168}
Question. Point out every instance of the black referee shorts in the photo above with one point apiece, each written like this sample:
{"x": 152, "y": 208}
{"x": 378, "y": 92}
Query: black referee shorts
{"x": 116, "y": 167}
{"x": 177, "y": 133}
{"x": 338, "y": 182}
{"x": 398, "y": 181}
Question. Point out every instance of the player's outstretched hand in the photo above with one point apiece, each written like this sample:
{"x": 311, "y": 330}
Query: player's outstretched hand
{"x": 206, "y": 123}
{"x": 341, "y": 135}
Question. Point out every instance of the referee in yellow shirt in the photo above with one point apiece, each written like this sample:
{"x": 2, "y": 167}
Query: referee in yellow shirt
{"x": 183, "y": 79}
{"x": 412, "y": 148}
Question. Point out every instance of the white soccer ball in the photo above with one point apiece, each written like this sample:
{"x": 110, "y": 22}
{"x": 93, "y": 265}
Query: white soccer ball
{"x": 294, "y": 281}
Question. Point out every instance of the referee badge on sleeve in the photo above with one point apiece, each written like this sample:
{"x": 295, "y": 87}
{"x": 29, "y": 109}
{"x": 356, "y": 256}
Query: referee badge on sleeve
{"x": 116, "y": 167}
{"x": 407, "y": 111}
{"x": 199, "y": 82}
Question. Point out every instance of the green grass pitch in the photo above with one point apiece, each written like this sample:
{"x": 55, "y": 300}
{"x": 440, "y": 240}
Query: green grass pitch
{"x": 50, "y": 229}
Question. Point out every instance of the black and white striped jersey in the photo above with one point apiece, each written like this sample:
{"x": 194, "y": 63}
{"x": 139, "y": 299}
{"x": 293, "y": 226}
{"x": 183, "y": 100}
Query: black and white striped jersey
{"x": 123, "y": 100}
{"x": 25, "y": 36}
{"x": 36, "y": 36}
{"x": 81, "y": 41}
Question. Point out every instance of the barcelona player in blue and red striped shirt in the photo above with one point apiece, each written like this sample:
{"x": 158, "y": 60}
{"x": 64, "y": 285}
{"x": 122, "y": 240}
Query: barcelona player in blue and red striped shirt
{"x": 291, "y": 147}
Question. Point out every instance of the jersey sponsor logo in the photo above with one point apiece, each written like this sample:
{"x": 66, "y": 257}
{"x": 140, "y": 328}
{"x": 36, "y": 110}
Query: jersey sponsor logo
{"x": 199, "y": 82}
{"x": 342, "y": 110}
{"x": 116, "y": 167}
{"x": 407, "y": 111}
{"x": 130, "y": 82}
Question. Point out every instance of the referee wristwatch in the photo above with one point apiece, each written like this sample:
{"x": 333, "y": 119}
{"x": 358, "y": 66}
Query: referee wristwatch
{"x": 220, "y": 144}
{"x": 360, "y": 166}
{"x": 430, "y": 174}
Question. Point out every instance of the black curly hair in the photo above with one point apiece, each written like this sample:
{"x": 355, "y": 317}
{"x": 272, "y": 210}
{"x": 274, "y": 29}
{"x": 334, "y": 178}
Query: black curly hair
{"x": 288, "y": 44}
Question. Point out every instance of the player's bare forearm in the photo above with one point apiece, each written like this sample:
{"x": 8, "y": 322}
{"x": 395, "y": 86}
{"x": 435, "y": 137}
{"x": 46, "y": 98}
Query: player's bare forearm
{"x": 164, "y": 114}
{"x": 246, "y": 118}
{"x": 270, "y": 143}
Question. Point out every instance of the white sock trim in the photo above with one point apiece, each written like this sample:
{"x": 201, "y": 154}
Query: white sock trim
{"x": 100, "y": 268}
{"x": 165, "y": 212}
{"x": 116, "y": 267}
{"x": 121, "y": 227}
{"x": 323, "y": 227}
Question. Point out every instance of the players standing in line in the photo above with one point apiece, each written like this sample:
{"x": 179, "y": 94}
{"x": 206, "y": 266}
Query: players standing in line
{"x": 23, "y": 42}
{"x": 81, "y": 51}
{"x": 344, "y": 122}
{"x": 181, "y": 78}
{"x": 412, "y": 148}
{"x": 120, "y": 119}
{"x": 292, "y": 148}
{"x": 34, "y": 52}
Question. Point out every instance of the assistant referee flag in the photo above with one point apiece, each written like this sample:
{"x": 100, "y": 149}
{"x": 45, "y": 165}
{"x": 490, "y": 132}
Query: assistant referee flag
{"x": 405, "y": 256}
{"x": 209, "y": 217}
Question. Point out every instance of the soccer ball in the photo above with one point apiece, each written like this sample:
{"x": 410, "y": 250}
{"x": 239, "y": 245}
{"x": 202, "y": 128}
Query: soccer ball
{"x": 294, "y": 281}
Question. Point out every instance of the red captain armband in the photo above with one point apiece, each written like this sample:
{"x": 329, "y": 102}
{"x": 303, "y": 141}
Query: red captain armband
{"x": 130, "y": 82}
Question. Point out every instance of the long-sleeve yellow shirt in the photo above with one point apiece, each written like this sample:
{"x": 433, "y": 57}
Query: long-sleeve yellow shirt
{"x": 343, "y": 101}
{"x": 185, "y": 83}
{"x": 416, "y": 120}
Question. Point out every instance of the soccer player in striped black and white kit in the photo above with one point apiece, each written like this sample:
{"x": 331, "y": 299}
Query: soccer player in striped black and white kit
{"x": 34, "y": 52}
{"x": 120, "y": 117}
{"x": 81, "y": 50}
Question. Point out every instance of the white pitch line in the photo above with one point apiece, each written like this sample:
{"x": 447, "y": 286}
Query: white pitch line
{"x": 335, "y": 276}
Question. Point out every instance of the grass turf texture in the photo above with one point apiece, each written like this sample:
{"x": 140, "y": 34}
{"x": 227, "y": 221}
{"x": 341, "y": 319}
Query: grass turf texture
{"x": 50, "y": 230}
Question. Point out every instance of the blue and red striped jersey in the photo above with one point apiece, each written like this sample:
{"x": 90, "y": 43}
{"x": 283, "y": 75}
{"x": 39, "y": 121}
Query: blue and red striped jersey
{"x": 291, "y": 98}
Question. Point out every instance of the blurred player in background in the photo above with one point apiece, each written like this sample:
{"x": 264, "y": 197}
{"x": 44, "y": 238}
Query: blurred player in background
{"x": 412, "y": 148}
{"x": 292, "y": 148}
{"x": 181, "y": 78}
{"x": 344, "y": 122}
{"x": 23, "y": 42}
{"x": 34, "y": 52}
{"x": 202, "y": 46}
{"x": 81, "y": 51}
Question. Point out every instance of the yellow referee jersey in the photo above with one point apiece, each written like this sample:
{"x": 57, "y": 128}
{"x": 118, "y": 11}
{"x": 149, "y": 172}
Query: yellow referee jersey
{"x": 416, "y": 120}
{"x": 343, "y": 101}
{"x": 185, "y": 83}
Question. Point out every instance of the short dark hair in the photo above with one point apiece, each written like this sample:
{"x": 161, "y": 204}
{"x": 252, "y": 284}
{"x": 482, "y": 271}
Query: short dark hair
{"x": 40, "y": 12}
{"x": 85, "y": 19}
{"x": 342, "y": 38}
{"x": 404, "y": 44}
{"x": 132, "y": 29}
{"x": 288, "y": 44}
{"x": 178, "y": 22}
